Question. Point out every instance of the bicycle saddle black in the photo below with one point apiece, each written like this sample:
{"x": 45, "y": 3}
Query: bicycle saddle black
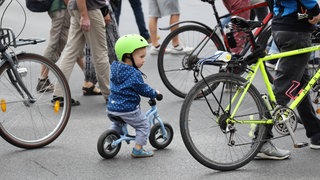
{"x": 245, "y": 24}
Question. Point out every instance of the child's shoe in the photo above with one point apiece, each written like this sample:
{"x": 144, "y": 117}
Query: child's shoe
{"x": 141, "y": 153}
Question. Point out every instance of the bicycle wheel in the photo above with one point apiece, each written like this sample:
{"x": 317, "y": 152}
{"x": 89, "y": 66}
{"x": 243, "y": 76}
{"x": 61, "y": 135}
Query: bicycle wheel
{"x": 104, "y": 144}
{"x": 177, "y": 70}
{"x": 28, "y": 124}
{"x": 156, "y": 138}
{"x": 204, "y": 126}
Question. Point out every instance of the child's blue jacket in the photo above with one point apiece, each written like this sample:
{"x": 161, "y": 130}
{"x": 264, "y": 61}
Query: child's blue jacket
{"x": 126, "y": 85}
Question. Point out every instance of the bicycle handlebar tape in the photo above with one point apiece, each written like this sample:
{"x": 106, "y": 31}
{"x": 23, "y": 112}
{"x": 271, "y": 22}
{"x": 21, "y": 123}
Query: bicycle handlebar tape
{"x": 159, "y": 97}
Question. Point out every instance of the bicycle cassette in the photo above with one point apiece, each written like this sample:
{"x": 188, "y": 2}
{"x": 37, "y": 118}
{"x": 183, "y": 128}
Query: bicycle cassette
{"x": 282, "y": 114}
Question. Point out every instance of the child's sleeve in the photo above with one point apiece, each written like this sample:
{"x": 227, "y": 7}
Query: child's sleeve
{"x": 143, "y": 88}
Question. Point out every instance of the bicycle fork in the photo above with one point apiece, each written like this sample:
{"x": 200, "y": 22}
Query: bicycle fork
{"x": 15, "y": 74}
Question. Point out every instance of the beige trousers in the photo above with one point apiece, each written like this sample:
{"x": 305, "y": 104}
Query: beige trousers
{"x": 96, "y": 39}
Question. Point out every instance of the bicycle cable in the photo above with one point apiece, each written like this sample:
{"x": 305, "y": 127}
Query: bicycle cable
{"x": 24, "y": 13}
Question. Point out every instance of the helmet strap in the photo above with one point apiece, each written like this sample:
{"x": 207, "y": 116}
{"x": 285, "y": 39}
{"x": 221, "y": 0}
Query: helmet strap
{"x": 132, "y": 60}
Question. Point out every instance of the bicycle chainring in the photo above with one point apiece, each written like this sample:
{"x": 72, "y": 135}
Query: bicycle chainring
{"x": 280, "y": 113}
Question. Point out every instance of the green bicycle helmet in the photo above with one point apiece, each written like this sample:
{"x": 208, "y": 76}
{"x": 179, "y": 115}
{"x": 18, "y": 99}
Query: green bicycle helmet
{"x": 128, "y": 43}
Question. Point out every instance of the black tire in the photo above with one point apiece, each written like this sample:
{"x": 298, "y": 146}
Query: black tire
{"x": 27, "y": 124}
{"x": 203, "y": 123}
{"x": 177, "y": 71}
{"x": 156, "y": 138}
{"x": 104, "y": 144}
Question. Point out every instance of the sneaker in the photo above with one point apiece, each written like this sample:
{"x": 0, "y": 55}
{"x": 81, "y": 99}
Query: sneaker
{"x": 269, "y": 151}
{"x": 141, "y": 153}
{"x": 181, "y": 50}
{"x": 44, "y": 85}
{"x": 315, "y": 141}
{"x": 155, "y": 50}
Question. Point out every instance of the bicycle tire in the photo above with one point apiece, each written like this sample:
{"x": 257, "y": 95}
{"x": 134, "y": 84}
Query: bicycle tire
{"x": 203, "y": 123}
{"x": 32, "y": 125}
{"x": 104, "y": 144}
{"x": 177, "y": 70}
{"x": 156, "y": 138}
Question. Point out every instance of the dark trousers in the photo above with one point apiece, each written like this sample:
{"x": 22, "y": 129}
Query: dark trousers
{"x": 293, "y": 68}
{"x": 138, "y": 14}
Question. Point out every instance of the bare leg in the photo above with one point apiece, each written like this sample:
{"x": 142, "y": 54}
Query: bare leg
{"x": 153, "y": 24}
{"x": 173, "y": 19}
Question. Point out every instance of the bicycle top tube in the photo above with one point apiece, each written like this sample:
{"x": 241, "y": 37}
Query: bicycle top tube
{"x": 304, "y": 90}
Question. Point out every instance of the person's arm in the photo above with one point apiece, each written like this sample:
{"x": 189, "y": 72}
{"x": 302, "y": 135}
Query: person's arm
{"x": 313, "y": 9}
{"x": 84, "y": 20}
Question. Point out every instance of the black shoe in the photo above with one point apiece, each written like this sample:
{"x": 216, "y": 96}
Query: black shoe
{"x": 61, "y": 101}
{"x": 315, "y": 141}
{"x": 44, "y": 85}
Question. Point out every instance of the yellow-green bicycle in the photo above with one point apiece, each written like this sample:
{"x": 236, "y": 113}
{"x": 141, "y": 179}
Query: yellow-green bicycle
{"x": 224, "y": 118}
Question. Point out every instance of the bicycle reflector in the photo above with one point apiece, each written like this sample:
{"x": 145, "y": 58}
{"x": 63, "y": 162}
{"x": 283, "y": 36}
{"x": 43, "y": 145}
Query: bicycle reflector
{"x": 3, "y": 105}
{"x": 56, "y": 106}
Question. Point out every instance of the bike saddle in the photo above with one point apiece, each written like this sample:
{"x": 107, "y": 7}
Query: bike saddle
{"x": 116, "y": 118}
{"x": 245, "y": 24}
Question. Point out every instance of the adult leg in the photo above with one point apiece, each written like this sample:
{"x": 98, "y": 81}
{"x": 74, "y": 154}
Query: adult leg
{"x": 73, "y": 48}
{"x": 173, "y": 19}
{"x": 117, "y": 11}
{"x": 60, "y": 23}
{"x": 233, "y": 5}
{"x": 96, "y": 38}
{"x": 153, "y": 24}
{"x": 139, "y": 16}
{"x": 112, "y": 35}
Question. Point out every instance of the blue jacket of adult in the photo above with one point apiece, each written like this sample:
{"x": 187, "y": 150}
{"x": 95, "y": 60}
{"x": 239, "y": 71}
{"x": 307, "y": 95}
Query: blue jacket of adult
{"x": 285, "y": 15}
{"x": 126, "y": 85}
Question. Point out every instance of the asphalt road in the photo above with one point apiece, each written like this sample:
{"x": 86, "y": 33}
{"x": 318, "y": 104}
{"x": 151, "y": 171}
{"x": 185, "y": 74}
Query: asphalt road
{"x": 74, "y": 155}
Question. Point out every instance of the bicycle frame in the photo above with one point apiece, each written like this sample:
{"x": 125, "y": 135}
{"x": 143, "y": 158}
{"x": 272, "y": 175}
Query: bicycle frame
{"x": 219, "y": 26}
{"x": 292, "y": 105}
{"x": 152, "y": 116}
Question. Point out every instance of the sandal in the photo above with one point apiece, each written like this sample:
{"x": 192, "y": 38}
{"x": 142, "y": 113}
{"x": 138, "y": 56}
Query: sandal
{"x": 90, "y": 91}
{"x": 73, "y": 102}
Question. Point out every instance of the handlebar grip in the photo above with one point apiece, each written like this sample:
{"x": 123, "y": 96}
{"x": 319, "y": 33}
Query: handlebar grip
{"x": 159, "y": 97}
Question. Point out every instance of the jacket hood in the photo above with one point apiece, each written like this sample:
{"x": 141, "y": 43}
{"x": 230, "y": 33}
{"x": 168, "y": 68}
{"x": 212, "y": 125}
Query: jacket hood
{"x": 120, "y": 72}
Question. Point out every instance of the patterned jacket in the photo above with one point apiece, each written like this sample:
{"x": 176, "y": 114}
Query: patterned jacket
{"x": 126, "y": 85}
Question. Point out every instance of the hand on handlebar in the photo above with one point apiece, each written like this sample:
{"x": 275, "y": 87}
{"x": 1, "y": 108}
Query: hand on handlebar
{"x": 159, "y": 96}
{"x": 315, "y": 19}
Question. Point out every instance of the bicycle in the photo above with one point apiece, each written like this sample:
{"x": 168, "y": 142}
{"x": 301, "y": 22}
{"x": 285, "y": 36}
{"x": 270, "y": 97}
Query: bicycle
{"x": 232, "y": 116}
{"x": 27, "y": 117}
{"x": 177, "y": 71}
{"x": 160, "y": 135}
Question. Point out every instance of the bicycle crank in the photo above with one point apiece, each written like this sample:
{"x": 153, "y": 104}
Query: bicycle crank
{"x": 285, "y": 123}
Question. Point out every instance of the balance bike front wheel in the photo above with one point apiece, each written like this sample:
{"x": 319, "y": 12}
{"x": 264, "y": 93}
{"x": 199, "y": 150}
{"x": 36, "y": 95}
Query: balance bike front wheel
{"x": 156, "y": 138}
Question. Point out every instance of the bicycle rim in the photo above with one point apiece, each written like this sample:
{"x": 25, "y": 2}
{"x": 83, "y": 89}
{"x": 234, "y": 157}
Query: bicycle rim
{"x": 177, "y": 70}
{"x": 203, "y": 124}
{"x": 33, "y": 125}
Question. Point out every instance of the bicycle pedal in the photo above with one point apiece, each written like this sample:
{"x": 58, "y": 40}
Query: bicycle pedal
{"x": 300, "y": 144}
